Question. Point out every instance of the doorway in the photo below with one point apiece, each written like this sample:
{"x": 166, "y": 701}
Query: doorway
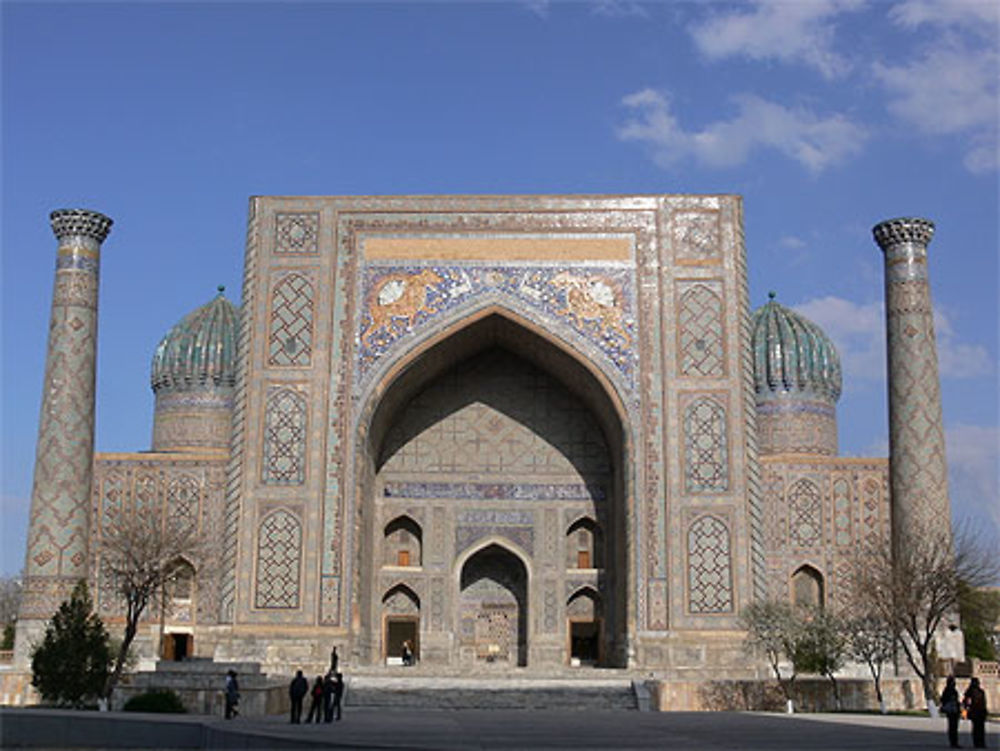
{"x": 176, "y": 647}
{"x": 400, "y": 630}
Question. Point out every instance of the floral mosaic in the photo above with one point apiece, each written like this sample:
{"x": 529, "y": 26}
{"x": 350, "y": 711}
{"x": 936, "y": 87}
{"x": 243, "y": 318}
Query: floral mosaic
{"x": 595, "y": 301}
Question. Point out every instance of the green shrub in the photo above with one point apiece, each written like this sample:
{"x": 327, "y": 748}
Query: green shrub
{"x": 165, "y": 701}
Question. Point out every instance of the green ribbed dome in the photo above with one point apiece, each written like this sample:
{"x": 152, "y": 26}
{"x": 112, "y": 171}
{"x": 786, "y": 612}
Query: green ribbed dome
{"x": 200, "y": 350}
{"x": 792, "y": 354}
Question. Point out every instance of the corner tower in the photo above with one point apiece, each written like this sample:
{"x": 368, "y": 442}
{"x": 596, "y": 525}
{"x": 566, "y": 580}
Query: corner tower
{"x": 57, "y": 552}
{"x": 918, "y": 471}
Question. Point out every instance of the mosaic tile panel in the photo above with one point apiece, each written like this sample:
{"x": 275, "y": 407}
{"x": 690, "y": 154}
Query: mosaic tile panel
{"x": 483, "y": 491}
{"x": 279, "y": 553}
{"x": 596, "y": 302}
{"x": 701, "y": 337}
{"x": 805, "y": 504}
{"x": 290, "y": 335}
{"x": 696, "y": 235}
{"x": 710, "y": 579}
{"x": 296, "y": 232}
{"x": 284, "y": 451}
{"x": 183, "y": 497}
{"x": 842, "y": 512}
{"x": 706, "y": 450}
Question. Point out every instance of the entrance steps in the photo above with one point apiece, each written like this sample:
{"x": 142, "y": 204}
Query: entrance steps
{"x": 502, "y": 691}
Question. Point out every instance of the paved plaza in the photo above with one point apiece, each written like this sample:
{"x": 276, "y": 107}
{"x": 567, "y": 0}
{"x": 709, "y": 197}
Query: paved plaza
{"x": 470, "y": 730}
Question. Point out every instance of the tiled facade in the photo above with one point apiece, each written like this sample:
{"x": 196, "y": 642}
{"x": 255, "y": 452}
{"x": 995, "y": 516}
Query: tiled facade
{"x": 512, "y": 430}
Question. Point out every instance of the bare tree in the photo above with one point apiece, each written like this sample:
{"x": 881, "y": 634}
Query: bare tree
{"x": 916, "y": 588}
{"x": 776, "y": 630}
{"x": 140, "y": 554}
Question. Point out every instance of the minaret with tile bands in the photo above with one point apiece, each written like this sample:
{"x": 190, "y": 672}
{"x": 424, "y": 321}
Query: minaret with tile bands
{"x": 58, "y": 534}
{"x": 918, "y": 472}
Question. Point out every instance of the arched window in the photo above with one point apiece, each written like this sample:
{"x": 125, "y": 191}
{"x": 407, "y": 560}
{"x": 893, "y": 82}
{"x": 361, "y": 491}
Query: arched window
{"x": 583, "y": 544}
{"x": 403, "y": 543}
{"x": 807, "y": 587}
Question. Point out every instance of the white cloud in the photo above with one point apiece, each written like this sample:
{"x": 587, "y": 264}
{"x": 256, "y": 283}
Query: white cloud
{"x": 792, "y": 242}
{"x": 951, "y": 88}
{"x": 982, "y": 16}
{"x": 815, "y": 142}
{"x": 618, "y": 8}
{"x": 800, "y": 32}
{"x": 974, "y": 472}
{"x": 858, "y": 332}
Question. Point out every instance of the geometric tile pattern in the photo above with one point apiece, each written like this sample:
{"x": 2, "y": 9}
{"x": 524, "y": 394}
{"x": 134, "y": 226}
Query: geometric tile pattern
{"x": 279, "y": 552}
{"x": 916, "y": 434}
{"x": 706, "y": 453}
{"x": 710, "y": 580}
{"x": 57, "y": 552}
{"x": 291, "y": 330}
{"x": 283, "y": 460}
{"x": 296, "y": 233}
{"x": 183, "y": 496}
{"x": 805, "y": 514}
{"x": 842, "y": 512}
{"x": 699, "y": 320}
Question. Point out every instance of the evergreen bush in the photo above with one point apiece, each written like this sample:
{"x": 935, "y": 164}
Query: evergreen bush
{"x": 162, "y": 700}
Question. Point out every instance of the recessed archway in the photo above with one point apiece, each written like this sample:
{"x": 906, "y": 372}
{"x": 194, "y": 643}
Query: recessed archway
{"x": 489, "y": 429}
{"x": 493, "y": 608}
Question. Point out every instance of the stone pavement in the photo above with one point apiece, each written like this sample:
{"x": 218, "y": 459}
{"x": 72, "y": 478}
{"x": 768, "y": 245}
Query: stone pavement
{"x": 474, "y": 730}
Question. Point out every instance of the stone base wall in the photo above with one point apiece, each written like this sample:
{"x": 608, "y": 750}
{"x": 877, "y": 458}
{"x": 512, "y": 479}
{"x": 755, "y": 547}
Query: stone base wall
{"x": 812, "y": 695}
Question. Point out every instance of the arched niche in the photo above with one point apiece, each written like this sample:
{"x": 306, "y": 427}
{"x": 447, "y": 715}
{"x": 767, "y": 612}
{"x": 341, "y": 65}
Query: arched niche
{"x": 584, "y": 544}
{"x": 493, "y": 607}
{"x": 402, "y": 543}
{"x": 807, "y": 587}
{"x": 400, "y": 623}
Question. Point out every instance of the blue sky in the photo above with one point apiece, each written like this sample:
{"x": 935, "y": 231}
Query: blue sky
{"x": 827, "y": 116}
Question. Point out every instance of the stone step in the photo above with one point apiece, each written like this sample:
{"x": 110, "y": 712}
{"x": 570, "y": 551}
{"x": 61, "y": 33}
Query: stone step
{"x": 478, "y": 693}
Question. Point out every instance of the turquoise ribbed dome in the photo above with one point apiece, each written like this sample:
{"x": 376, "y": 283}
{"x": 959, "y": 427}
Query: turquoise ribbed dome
{"x": 792, "y": 355}
{"x": 199, "y": 351}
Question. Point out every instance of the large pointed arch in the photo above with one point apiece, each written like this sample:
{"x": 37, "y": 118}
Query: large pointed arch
{"x": 456, "y": 339}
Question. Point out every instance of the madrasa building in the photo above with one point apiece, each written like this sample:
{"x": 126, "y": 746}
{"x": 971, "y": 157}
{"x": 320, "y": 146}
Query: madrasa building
{"x": 538, "y": 432}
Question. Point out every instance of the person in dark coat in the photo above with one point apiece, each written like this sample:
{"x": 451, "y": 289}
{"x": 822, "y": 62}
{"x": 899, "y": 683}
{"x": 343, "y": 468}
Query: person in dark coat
{"x": 296, "y": 692}
{"x": 974, "y": 702}
{"x": 338, "y": 695}
{"x": 328, "y": 685}
{"x": 334, "y": 660}
{"x": 232, "y": 695}
{"x": 316, "y": 708}
{"x": 952, "y": 709}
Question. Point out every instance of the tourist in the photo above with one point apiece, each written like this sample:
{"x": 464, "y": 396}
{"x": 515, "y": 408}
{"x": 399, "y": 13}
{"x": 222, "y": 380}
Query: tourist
{"x": 338, "y": 695}
{"x": 328, "y": 697}
{"x": 316, "y": 708}
{"x": 334, "y": 660}
{"x": 297, "y": 692}
{"x": 952, "y": 709}
{"x": 974, "y": 702}
{"x": 232, "y": 695}
{"x": 407, "y": 653}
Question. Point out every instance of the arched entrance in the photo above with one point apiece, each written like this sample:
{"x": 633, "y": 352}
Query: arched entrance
{"x": 493, "y": 443}
{"x": 493, "y": 609}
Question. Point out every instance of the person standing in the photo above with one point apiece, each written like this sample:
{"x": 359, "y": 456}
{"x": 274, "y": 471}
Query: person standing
{"x": 974, "y": 702}
{"x": 334, "y": 660}
{"x": 328, "y": 697}
{"x": 338, "y": 695}
{"x": 952, "y": 709}
{"x": 407, "y": 653}
{"x": 316, "y": 707}
{"x": 296, "y": 692}
{"x": 232, "y": 695}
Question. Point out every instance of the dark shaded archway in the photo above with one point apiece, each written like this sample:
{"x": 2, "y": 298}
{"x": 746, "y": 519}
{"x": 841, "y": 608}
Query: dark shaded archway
{"x": 493, "y": 607}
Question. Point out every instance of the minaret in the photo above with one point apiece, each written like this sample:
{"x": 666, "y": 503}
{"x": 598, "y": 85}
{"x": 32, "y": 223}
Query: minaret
{"x": 918, "y": 472}
{"x": 58, "y": 532}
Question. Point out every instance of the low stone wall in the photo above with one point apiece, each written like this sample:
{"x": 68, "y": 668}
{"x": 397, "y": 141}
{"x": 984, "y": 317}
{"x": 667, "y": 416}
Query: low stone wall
{"x": 812, "y": 694}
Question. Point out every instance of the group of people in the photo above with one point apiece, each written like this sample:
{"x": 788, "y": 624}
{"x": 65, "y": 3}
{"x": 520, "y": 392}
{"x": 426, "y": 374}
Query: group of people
{"x": 974, "y": 704}
{"x": 327, "y": 694}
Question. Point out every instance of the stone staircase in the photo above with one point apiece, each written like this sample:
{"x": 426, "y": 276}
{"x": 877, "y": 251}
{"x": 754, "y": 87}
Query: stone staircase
{"x": 506, "y": 692}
